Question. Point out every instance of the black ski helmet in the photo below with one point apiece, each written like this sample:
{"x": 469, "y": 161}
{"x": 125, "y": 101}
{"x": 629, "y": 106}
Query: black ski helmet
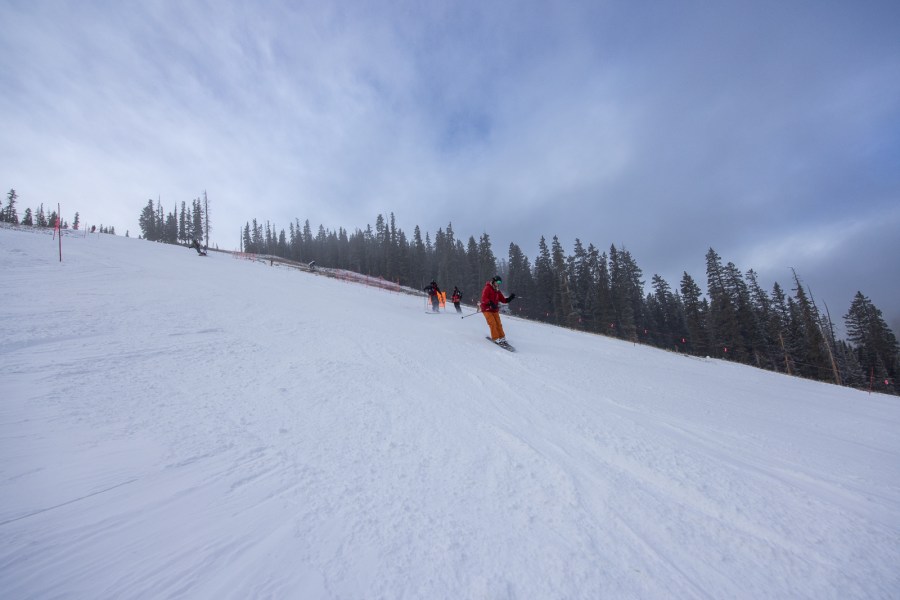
{"x": 496, "y": 279}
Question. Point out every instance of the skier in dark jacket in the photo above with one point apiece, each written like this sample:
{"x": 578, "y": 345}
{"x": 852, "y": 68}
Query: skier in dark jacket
{"x": 456, "y": 298}
{"x": 433, "y": 290}
{"x": 491, "y": 298}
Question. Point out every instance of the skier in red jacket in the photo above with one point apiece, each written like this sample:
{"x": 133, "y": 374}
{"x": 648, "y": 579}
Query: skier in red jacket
{"x": 491, "y": 297}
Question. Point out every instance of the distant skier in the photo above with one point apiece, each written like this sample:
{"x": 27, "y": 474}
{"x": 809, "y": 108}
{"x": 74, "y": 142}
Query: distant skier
{"x": 456, "y": 298}
{"x": 491, "y": 298}
{"x": 434, "y": 291}
{"x": 196, "y": 246}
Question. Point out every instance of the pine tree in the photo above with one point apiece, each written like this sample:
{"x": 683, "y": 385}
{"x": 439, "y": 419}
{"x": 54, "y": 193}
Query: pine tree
{"x": 356, "y": 252}
{"x": 599, "y": 303}
{"x": 723, "y": 325}
{"x": 292, "y": 241}
{"x": 476, "y": 279}
{"x": 626, "y": 290}
{"x": 875, "y": 344}
{"x": 401, "y": 251}
{"x": 459, "y": 269}
{"x": 777, "y": 329}
{"x": 634, "y": 290}
{"x": 444, "y": 246}
{"x": 519, "y": 280}
{"x": 487, "y": 262}
{"x": 695, "y": 312}
{"x": 813, "y": 358}
{"x": 417, "y": 259}
{"x": 764, "y": 345}
{"x": 392, "y": 251}
{"x": 280, "y": 245}
{"x": 379, "y": 251}
{"x": 743, "y": 325}
{"x": 306, "y": 243}
{"x": 441, "y": 258}
{"x": 9, "y": 214}
{"x": 584, "y": 267}
{"x": 668, "y": 318}
{"x": 183, "y": 236}
{"x": 159, "y": 220}
{"x": 197, "y": 220}
{"x": 853, "y": 374}
{"x": 563, "y": 309}
{"x": 457, "y": 260}
{"x": 256, "y": 239}
{"x": 623, "y": 320}
{"x": 206, "y": 225}
{"x": 468, "y": 281}
{"x": 170, "y": 229}
{"x": 147, "y": 222}
{"x": 544, "y": 281}
{"x": 368, "y": 243}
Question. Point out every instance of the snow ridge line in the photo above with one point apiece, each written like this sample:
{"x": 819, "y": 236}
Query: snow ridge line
{"x": 49, "y": 508}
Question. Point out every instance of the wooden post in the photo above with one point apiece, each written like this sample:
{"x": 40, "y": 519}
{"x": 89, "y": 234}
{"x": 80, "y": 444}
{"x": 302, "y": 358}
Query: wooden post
{"x": 787, "y": 363}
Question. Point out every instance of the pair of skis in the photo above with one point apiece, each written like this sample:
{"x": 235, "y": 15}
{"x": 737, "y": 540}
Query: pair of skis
{"x": 504, "y": 345}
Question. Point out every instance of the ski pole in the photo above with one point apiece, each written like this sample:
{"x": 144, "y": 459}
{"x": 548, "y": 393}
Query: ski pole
{"x": 470, "y": 314}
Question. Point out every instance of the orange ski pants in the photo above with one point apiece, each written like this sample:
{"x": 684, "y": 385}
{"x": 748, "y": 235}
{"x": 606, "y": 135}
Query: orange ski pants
{"x": 493, "y": 321}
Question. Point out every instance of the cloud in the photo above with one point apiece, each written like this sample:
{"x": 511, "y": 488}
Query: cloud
{"x": 759, "y": 129}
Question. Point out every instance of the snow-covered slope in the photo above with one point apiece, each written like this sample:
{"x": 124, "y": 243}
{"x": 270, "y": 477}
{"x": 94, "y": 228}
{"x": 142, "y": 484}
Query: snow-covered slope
{"x": 174, "y": 426}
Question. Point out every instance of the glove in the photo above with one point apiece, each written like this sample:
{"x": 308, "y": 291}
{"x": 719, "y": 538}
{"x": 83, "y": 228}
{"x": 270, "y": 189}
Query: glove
{"x": 511, "y": 298}
{"x": 492, "y": 306}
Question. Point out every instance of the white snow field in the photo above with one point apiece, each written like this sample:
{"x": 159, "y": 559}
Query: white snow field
{"x": 174, "y": 426}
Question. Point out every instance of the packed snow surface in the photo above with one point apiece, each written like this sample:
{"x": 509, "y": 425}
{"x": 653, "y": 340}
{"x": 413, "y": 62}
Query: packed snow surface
{"x": 173, "y": 426}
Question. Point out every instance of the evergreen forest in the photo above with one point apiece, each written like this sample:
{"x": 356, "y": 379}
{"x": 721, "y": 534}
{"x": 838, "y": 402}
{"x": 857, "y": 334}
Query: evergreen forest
{"x": 176, "y": 227}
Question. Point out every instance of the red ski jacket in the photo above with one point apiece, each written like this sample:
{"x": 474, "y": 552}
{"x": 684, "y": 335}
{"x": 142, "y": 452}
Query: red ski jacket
{"x": 491, "y": 299}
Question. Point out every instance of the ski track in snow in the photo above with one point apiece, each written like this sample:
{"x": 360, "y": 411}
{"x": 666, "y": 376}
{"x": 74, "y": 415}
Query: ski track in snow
{"x": 174, "y": 426}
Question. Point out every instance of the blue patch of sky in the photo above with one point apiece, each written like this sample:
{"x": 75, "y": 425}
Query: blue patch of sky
{"x": 464, "y": 129}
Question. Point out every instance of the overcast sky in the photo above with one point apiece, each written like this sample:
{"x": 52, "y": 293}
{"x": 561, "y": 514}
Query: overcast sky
{"x": 769, "y": 131}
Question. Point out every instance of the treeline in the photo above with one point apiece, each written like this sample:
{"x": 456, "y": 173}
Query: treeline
{"x": 177, "y": 227}
{"x": 603, "y": 292}
{"x": 33, "y": 218}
